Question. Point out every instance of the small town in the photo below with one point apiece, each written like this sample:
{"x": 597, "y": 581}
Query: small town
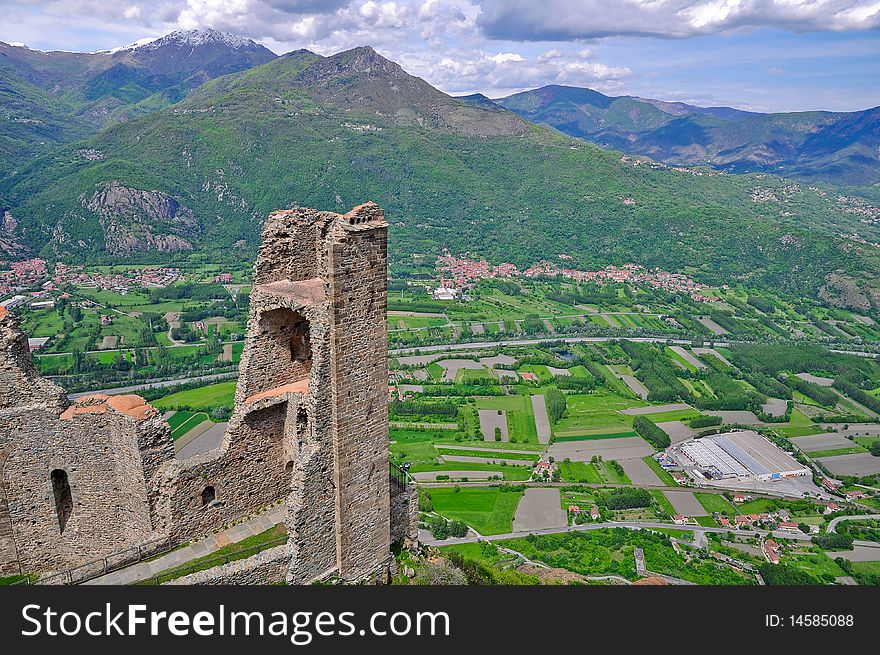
{"x": 31, "y": 273}
{"x": 457, "y": 274}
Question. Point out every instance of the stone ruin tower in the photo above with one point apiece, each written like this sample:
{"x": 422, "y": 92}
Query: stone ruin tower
{"x": 84, "y": 480}
{"x": 315, "y": 363}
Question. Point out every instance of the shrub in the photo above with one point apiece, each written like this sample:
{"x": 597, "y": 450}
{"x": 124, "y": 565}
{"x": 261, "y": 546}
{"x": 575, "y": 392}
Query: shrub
{"x": 833, "y": 541}
{"x": 649, "y": 431}
{"x": 705, "y": 421}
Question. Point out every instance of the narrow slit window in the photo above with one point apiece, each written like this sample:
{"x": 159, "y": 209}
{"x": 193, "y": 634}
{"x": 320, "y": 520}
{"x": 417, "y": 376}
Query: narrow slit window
{"x": 63, "y": 497}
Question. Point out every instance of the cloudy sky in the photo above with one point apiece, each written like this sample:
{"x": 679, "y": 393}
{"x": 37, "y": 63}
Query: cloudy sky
{"x": 765, "y": 55}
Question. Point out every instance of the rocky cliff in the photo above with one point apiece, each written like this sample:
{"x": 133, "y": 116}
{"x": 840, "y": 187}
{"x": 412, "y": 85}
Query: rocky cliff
{"x": 135, "y": 221}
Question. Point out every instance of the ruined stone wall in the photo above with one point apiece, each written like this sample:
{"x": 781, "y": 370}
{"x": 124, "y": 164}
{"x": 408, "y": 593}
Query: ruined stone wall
{"x": 72, "y": 484}
{"x": 281, "y": 350}
{"x": 79, "y": 482}
{"x": 108, "y": 506}
{"x": 265, "y": 568}
{"x": 404, "y": 512}
{"x": 20, "y": 384}
{"x": 359, "y": 378}
{"x": 8, "y": 554}
{"x": 248, "y": 473}
{"x": 291, "y": 246}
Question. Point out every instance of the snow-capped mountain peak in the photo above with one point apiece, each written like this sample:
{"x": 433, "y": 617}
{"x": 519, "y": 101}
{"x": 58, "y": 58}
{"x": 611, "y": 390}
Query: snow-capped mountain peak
{"x": 195, "y": 38}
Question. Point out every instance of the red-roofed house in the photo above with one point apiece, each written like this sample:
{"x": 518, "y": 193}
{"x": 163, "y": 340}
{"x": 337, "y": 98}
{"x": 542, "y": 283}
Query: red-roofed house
{"x": 771, "y": 551}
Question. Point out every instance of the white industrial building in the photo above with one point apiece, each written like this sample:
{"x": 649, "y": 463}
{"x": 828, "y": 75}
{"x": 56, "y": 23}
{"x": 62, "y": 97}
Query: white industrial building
{"x": 740, "y": 454}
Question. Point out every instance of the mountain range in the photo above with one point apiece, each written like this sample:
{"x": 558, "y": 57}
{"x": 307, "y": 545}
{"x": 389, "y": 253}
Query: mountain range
{"x": 48, "y": 98}
{"x": 843, "y": 148}
{"x": 187, "y": 168}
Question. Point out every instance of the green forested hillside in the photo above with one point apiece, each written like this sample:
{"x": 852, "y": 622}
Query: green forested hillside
{"x": 811, "y": 145}
{"x": 334, "y": 132}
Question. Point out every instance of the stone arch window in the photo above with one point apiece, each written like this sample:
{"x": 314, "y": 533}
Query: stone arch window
{"x": 288, "y": 468}
{"x": 209, "y": 495}
{"x": 63, "y": 497}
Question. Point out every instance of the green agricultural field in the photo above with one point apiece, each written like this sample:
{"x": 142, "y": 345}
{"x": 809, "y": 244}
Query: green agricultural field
{"x": 663, "y": 502}
{"x": 579, "y": 472}
{"x": 716, "y": 503}
{"x": 497, "y": 454}
{"x": 471, "y": 375}
{"x": 662, "y": 473}
{"x": 207, "y": 397}
{"x": 178, "y": 418}
{"x": 674, "y": 415}
{"x": 435, "y": 371}
{"x": 610, "y": 475}
{"x": 520, "y": 418}
{"x": 544, "y": 376}
{"x": 187, "y": 424}
{"x": 591, "y": 436}
{"x": 867, "y": 568}
{"x": 674, "y": 356}
{"x": 585, "y": 499}
{"x": 816, "y": 563}
{"x": 836, "y": 451}
{"x": 756, "y": 506}
{"x": 44, "y": 323}
{"x": 415, "y": 452}
{"x": 487, "y": 509}
{"x": 595, "y": 413}
{"x": 866, "y": 442}
{"x": 799, "y": 425}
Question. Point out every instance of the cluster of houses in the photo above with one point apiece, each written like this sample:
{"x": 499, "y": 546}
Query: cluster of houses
{"x": 852, "y": 494}
{"x": 22, "y": 275}
{"x": 155, "y": 277}
{"x": 544, "y": 471}
{"x": 457, "y": 273}
{"x": 462, "y": 273}
{"x": 32, "y": 275}
{"x": 575, "y": 511}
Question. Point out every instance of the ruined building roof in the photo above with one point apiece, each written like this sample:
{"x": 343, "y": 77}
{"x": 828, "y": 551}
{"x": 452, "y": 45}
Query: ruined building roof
{"x": 99, "y": 403}
{"x": 300, "y": 387}
{"x": 304, "y": 292}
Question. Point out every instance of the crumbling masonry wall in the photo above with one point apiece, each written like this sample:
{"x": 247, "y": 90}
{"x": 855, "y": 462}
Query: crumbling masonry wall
{"x": 79, "y": 481}
{"x": 404, "y": 512}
